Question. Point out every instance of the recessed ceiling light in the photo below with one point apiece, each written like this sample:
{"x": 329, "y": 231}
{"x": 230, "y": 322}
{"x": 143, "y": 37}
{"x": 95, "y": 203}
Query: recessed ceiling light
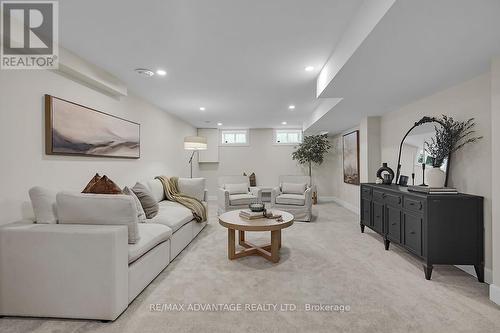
{"x": 202, "y": 108}
{"x": 291, "y": 107}
{"x": 309, "y": 68}
{"x": 283, "y": 123}
{"x": 219, "y": 124}
{"x": 161, "y": 72}
{"x": 144, "y": 72}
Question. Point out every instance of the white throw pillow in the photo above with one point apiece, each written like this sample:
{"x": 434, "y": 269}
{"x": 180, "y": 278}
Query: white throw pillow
{"x": 237, "y": 188}
{"x": 106, "y": 209}
{"x": 141, "y": 215}
{"x": 44, "y": 204}
{"x": 194, "y": 187}
{"x": 292, "y": 188}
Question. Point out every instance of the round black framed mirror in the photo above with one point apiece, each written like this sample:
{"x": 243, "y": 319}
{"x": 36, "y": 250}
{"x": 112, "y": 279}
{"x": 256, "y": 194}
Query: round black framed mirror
{"x": 415, "y": 163}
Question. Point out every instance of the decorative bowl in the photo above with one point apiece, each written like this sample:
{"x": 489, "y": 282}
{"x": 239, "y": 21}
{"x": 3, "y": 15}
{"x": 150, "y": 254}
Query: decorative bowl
{"x": 256, "y": 207}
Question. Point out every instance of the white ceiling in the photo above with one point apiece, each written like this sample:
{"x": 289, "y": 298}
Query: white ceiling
{"x": 241, "y": 59}
{"x": 418, "y": 48}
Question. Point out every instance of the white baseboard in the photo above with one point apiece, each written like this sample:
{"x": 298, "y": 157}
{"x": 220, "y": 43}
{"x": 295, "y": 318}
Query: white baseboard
{"x": 326, "y": 199}
{"x": 345, "y": 204}
{"x": 488, "y": 275}
{"x": 495, "y": 294}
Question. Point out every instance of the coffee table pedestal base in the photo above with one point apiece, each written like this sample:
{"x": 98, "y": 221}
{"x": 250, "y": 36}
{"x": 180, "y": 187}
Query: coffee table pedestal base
{"x": 269, "y": 251}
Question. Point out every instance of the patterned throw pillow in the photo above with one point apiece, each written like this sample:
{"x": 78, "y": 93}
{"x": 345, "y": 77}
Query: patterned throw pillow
{"x": 148, "y": 202}
{"x": 105, "y": 186}
{"x": 91, "y": 183}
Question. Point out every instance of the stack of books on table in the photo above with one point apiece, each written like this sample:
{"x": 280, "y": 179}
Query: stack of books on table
{"x": 432, "y": 190}
{"x": 249, "y": 215}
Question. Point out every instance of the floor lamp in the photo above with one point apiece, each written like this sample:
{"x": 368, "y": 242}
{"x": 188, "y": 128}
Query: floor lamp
{"x": 194, "y": 143}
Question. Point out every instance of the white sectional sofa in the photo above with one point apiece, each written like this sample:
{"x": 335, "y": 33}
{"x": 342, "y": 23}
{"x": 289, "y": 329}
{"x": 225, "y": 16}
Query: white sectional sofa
{"x": 88, "y": 271}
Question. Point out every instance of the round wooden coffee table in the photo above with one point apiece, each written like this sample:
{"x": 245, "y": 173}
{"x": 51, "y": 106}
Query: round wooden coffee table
{"x": 232, "y": 221}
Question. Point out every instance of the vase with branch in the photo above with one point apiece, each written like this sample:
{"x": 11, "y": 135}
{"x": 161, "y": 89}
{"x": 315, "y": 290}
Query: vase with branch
{"x": 450, "y": 137}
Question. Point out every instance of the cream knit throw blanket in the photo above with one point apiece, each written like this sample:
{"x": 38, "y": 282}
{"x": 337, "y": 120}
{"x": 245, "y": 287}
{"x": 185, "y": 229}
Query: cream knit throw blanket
{"x": 171, "y": 188}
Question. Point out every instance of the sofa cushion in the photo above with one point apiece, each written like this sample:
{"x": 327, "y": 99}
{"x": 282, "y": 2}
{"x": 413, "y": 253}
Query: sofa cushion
{"x": 106, "y": 209}
{"x": 141, "y": 215}
{"x": 241, "y": 199}
{"x": 148, "y": 201}
{"x": 152, "y": 234}
{"x": 44, "y": 204}
{"x": 293, "y": 188}
{"x": 172, "y": 214}
{"x": 237, "y": 188}
{"x": 156, "y": 188}
{"x": 194, "y": 187}
{"x": 291, "y": 199}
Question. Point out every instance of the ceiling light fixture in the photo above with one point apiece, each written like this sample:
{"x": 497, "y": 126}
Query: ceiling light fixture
{"x": 202, "y": 108}
{"x": 291, "y": 107}
{"x": 283, "y": 123}
{"x": 219, "y": 124}
{"x": 144, "y": 72}
{"x": 161, "y": 72}
{"x": 309, "y": 68}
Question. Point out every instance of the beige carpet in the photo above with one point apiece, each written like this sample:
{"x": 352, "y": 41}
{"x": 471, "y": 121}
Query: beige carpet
{"x": 327, "y": 261}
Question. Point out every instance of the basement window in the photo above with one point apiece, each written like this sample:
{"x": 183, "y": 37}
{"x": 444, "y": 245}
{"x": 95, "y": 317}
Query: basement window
{"x": 287, "y": 136}
{"x": 234, "y": 138}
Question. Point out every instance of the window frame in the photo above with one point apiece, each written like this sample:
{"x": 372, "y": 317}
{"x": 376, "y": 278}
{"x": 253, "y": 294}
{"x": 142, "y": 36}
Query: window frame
{"x": 235, "y": 131}
{"x": 289, "y": 131}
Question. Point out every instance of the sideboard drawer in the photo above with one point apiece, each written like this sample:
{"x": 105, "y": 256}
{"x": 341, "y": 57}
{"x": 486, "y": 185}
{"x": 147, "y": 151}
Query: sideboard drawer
{"x": 413, "y": 233}
{"x": 378, "y": 196}
{"x": 366, "y": 192}
{"x": 393, "y": 199}
{"x": 414, "y": 204}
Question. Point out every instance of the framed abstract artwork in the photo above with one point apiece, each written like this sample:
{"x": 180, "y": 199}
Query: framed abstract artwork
{"x": 350, "y": 145}
{"x": 74, "y": 129}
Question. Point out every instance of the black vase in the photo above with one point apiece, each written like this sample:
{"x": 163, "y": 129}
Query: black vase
{"x": 389, "y": 177}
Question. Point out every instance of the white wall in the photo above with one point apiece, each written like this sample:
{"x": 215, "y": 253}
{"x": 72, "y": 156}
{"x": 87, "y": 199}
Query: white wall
{"x": 495, "y": 125}
{"x": 470, "y": 167}
{"x": 23, "y": 160}
{"x": 267, "y": 160}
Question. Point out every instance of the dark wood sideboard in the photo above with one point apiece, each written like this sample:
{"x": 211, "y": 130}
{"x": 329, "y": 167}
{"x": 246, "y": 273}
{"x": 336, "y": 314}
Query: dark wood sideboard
{"x": 439, "y": 229}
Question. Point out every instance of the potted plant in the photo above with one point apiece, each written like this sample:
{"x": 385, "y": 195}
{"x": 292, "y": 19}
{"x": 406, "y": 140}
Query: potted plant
{"x": 312, "y": 150}
{"x": 450, "y": 137}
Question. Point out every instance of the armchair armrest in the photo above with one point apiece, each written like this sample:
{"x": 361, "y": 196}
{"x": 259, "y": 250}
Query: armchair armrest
{"x": 222, "y": 198}
{"x": 66, "y": 271}
{"x": 205, "y": 195}
{"x": 257, "y": 191}
{"x": 274, "y": 193}
{"x": 308, "y": 196}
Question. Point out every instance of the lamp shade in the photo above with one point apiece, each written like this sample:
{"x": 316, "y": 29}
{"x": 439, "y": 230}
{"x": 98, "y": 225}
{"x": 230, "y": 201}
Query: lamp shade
{"x": 195, "y": 143}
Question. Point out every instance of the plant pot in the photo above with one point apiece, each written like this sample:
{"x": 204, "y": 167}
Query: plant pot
{"x": 435, "y": 177}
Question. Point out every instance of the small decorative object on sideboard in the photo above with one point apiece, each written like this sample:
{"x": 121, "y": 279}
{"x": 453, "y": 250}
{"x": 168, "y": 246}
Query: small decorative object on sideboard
{"x": 433, "y": 190}
{"x": 403, "y": 180}
{"x": 423, "y": 175}
{"x": 449, "y": 138}
{"x": 388, "y": 176}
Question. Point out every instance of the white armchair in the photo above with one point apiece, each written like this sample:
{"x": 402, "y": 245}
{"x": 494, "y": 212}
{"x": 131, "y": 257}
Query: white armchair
{"x": 294, "y": 195}
{"x": 234, "y": 192}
